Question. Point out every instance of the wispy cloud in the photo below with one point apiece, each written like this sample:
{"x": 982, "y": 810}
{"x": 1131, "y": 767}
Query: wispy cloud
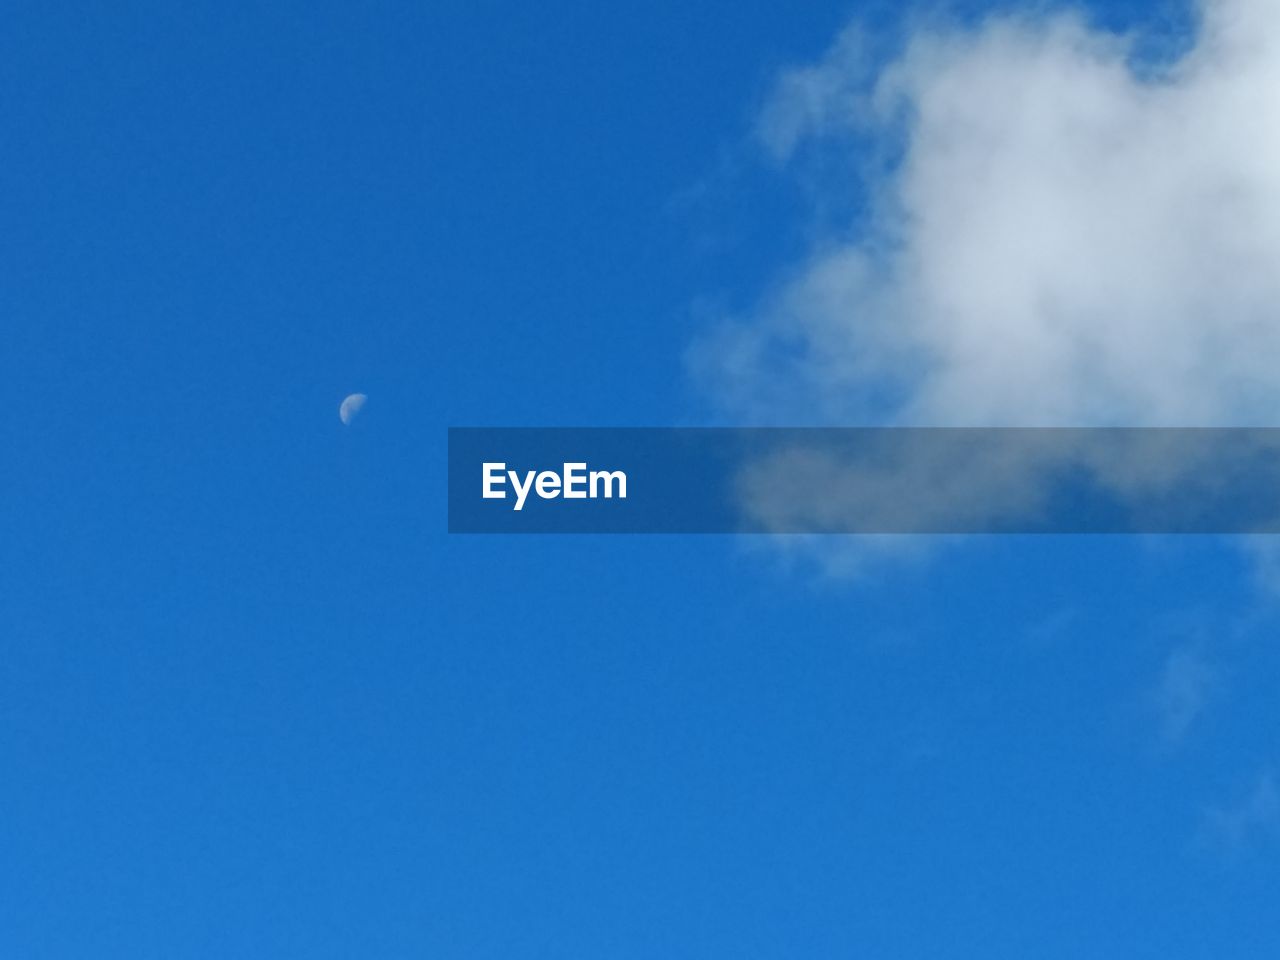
{"x": 1187, "y": 684}
{"x": 1252, "y": 818}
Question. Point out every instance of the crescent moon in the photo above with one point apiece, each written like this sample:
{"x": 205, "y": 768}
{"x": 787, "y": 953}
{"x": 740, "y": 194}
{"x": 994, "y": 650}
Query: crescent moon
{"x": 350, "y": 407}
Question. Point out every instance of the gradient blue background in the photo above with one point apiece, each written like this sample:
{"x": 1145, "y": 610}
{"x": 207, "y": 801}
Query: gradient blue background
{"x": 254, "y": 702}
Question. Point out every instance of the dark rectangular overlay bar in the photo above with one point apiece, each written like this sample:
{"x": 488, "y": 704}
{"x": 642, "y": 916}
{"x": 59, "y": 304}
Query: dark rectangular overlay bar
{"x": 864, "y": 480}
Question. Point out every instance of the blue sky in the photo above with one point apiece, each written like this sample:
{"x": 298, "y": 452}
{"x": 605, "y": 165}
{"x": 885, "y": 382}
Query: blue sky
{"x": 255, "y": 702}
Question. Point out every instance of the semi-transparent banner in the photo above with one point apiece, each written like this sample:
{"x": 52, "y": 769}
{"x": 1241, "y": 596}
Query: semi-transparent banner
{"x": 864, "y": 480}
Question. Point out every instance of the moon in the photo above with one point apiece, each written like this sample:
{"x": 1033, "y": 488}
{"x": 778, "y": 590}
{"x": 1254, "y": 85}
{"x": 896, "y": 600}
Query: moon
{"x": 350, "y": 407}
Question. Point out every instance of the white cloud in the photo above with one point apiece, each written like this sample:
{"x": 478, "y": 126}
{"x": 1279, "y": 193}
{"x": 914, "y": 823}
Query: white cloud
{"x": 1255, "y": 816}
{"x": 1186, "y": 685}
{"x": 1062, "y": 238}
